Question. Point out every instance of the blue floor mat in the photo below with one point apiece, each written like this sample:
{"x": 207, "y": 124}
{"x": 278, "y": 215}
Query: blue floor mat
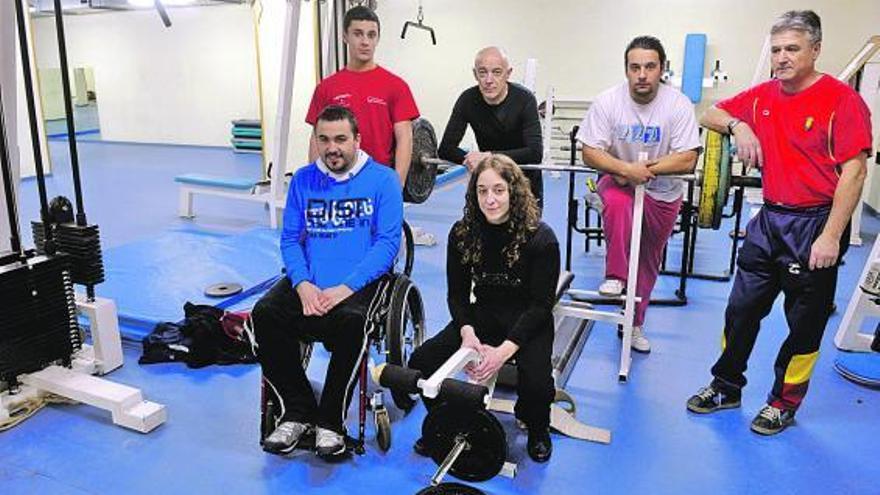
{"x": 859, "y": 367}
{"x": 150, "y": 280}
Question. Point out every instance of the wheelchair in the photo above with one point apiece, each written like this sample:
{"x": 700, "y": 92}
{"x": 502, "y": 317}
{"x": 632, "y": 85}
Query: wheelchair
{"x": 398, "y": 327}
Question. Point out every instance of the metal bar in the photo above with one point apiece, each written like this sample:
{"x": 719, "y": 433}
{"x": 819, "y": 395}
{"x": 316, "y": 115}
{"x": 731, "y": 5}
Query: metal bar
{"x": 68, "y": 115}
{"x": 460, "y": 445}
{"x": 737, "y": 206}
{"x": 30, "y": 98}
{"x": 285, "y": 99}
{"x": 8, "y": 184}
{"x": 571, "y": 205}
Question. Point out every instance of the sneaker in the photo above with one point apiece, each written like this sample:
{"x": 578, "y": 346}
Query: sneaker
{"x": 771, "y": 420}
{"x": 539, "y": 445}
{"x": 423, "y": 238}
{"x": 285, "y": 437}
{"x": 328, "y": 443}
{"x": 639, "y": 342}
{"x": 611, "y": 287}
{"x": 709, "y": 400}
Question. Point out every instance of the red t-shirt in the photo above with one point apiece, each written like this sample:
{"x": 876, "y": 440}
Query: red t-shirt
{"x": 804, "y": 136}
{"x": 378, "y": 99}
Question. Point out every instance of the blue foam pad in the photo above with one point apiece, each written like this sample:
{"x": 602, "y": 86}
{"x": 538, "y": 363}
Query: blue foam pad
{"x": 216, "y": 181}
{"x": 860, "y": 367}
{"x": 694, "y": 61}
{"x": 151, "y": 279}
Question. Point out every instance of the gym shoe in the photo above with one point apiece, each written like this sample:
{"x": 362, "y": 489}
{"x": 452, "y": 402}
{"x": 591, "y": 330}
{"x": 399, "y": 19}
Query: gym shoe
{"x": 611, "y": 287}
{"x": 539, "y": 445}
{"x": 420, "y": 448}
{"x": 328, "y": 443}
{"x": 771, "y": 420}
{"x": 423, "y": 238}
{"x": 639, "y": 342}
{"x": 285, "y": 437}
{"x": 708, "y": 400}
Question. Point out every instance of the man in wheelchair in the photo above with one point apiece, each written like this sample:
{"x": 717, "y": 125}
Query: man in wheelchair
{"x": 341, "y": 233}
{"x": 510, "y": 259}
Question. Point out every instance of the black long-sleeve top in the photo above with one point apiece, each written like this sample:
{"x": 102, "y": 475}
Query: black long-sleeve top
{"x": 511, "y": 127}
{"x": 519, "y": 300}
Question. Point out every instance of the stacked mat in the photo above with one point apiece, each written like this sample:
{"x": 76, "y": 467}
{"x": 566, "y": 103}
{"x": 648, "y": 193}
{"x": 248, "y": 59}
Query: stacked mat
{"x": 247, "y": 136}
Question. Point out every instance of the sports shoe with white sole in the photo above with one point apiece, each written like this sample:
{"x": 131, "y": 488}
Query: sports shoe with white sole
{"x": 285, "y": 437}
{"x": 772, "y": 420}
{"x": 611, "y": 287}
{"x": 328, "y": 443}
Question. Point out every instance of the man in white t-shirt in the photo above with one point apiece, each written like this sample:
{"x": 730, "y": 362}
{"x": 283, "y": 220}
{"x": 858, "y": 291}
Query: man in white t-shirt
{"x": 634, "y": 133}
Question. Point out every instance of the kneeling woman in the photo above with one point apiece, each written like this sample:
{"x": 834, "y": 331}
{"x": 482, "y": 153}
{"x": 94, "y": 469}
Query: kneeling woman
{"x": 501, "y": 248}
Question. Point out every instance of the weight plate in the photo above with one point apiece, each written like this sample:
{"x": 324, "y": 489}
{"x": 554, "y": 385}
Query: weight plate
{"x": 711, "y": 181}
{"x": 422, "y": 174}
{"x": 223, "y": 289}
{"x": 724, "y": 185}
{"x": 450, "y": 489}
{"x": 486, "y": 452}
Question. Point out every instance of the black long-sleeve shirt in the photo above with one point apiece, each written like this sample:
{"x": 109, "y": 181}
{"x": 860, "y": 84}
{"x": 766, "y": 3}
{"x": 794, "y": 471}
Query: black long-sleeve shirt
{"x": 511, "y": 127}
{"x": 517, "y": 301}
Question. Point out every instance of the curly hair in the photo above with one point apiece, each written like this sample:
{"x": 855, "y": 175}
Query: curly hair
{"x": 524, "y": 212}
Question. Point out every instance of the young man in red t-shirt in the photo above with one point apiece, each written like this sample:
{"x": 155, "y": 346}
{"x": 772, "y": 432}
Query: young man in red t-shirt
{"x": 810, "y": 134}
{"x": 381, "y": 101}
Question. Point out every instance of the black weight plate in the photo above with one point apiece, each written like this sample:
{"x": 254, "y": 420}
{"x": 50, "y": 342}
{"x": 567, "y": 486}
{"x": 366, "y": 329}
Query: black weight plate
{"x": 450, "y": 489}
{"x": 487, "y": 443}
{"x": 223, "y": 289}
{"x": 422, "y": 174}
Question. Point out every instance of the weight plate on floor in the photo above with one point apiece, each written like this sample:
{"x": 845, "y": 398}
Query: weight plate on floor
{"x": 223, "y": 289}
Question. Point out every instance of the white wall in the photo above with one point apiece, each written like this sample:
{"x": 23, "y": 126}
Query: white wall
{"x": 184, "y": 84}
{"x": 19, "y": 127}
{"x": 579, "y": 43}
{"x": 177, "y": 85}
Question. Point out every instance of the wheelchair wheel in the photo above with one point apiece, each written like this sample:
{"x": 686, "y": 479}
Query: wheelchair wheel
{"x": 405, "y": 331}
{"x": 406, "y": 256}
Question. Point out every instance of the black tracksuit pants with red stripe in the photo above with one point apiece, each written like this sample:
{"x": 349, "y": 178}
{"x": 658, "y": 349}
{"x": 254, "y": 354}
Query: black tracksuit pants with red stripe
{"x": 280, "y": 327}
{"x": 775, "y": 258}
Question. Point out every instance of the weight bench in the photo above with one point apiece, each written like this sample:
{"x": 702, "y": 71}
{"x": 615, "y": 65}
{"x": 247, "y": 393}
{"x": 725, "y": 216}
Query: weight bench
{"x": 227, "y": 187}
{"x": 571, "y": 334}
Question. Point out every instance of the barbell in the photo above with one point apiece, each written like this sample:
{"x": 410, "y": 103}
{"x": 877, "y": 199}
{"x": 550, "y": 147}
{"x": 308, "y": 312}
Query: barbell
{"x": 715, "y": 179}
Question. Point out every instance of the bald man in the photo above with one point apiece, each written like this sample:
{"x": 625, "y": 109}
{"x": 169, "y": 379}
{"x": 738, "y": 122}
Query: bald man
{"x": 503, "y": 116}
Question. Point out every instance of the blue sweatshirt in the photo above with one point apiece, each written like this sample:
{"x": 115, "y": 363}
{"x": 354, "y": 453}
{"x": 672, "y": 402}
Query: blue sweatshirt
{"x": 342, "y": 229}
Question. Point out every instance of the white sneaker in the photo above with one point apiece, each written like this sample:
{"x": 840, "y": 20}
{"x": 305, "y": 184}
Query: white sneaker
{"x": 639, "y": 342}
{"x": 328, "y": 443}
{"x": 611, "y": 287}
{"x": 285, "y": 437}
{"x": 423, "y": 238}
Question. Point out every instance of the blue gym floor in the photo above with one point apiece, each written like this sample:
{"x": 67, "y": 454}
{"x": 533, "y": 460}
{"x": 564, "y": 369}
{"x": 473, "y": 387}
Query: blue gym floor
{"x": 209, "y": 444}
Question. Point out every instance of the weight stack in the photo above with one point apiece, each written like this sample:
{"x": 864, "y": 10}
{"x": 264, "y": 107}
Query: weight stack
{"x": 39, "y": 324}
{"x": 247, "y": 136}
{"x": 82, "y": 244}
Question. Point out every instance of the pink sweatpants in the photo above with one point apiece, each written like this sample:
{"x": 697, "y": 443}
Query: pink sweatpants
{"x": 657, "y": 225}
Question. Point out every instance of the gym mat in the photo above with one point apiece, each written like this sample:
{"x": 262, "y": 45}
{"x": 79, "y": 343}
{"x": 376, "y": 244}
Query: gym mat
{"x": 694, "y": 62}
{"x": 859, "y": 367}
{"x": 150, "y": 280}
